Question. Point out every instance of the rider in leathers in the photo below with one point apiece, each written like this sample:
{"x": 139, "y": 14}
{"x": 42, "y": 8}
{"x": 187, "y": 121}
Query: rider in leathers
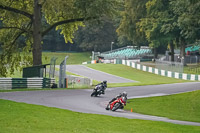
{"x": 103, "y": 86}
{"x": 124, "y": 94}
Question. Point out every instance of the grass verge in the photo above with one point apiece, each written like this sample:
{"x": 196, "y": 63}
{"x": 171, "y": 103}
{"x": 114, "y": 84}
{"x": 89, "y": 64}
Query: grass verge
{"x": 143, "y": 78}
{"x": 74, "y": 58}
{"x": 27, "y": 118}
{"x": 184, "y": 106}
{"x": 189, "y": 68}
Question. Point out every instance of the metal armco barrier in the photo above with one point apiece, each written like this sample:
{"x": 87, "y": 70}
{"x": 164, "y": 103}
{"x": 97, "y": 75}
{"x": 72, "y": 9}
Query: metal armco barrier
{"x": 15, "y": 83}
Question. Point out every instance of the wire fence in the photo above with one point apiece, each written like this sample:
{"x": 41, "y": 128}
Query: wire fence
{"x": 170, "y": 66}
{"x": 62, "y": 73}
{"x": 192, "y": 59}
{"x": 52, "y": 67}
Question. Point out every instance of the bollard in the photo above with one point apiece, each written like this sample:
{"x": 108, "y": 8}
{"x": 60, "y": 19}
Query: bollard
{"x": 66, "y": 82}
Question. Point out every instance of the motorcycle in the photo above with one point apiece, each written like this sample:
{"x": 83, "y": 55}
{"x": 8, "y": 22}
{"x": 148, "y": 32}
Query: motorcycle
{"x": 98, "y": 90}
{"x": 119, "y": 103}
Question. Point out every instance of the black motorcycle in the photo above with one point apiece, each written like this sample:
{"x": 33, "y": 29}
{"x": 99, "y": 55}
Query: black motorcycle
{"x": 98, "y": 90}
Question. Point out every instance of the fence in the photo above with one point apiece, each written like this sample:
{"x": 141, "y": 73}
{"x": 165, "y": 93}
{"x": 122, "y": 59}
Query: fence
{"x": 15, "y": 83}
{"x": 78, "y": 82}
{"x": 161, "y": 72}
{"x": 52, "y": 67}
{"x": 62, "y": 73}
{"x": 192, "y": 59}
{"x": 170, "y": 66}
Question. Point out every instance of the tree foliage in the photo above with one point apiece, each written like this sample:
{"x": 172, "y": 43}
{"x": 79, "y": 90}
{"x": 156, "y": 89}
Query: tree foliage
{"x": 134, "y": 10}
{"x": 162, "y": 22}
{"x": 158, "y": 24}
{"x": 188, "y": 13}
{"x": 96, "y": 38}
{"x": 31, "y": 20}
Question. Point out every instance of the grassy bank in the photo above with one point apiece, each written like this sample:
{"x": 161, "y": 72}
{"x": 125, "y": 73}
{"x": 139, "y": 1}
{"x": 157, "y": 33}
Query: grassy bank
{"x": 143, "y": 78}
{"x": 189, "y": 68}
{"x": 183, "y": 106}
{"x": 26, "y": 118}
{"x": 74, "y": 58}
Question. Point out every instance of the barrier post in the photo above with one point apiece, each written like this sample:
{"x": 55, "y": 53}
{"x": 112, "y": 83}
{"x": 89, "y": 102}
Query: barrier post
{"x": 66, "y": 81}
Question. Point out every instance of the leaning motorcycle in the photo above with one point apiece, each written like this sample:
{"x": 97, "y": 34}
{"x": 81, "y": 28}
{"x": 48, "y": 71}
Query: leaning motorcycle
{"x": 117, "y": 104}
{"x": 98, "y": 90}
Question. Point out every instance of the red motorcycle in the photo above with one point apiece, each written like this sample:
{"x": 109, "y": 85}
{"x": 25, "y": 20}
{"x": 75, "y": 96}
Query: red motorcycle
{"x": 119, "y": 103}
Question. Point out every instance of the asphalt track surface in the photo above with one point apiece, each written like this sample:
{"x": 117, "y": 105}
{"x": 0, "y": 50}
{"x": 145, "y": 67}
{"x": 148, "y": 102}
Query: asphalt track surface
{"x": 95, "y": 74}
{"x": 81, "y": 101}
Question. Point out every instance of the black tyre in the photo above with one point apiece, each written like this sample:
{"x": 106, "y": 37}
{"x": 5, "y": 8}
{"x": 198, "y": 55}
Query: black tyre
{"x": 93, "y": 93}
{"x": 116, "y": 106}
{"x": 107, "y": 107}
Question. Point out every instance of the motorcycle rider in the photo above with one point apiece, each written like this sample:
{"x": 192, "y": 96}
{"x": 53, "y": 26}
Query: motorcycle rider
{"x": 104, "y": 86}
{"x": 124, "y": 94}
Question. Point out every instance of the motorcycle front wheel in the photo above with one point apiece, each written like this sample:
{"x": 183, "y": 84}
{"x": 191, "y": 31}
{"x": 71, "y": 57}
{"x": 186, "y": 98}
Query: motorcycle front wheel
{"x": 108, "y": 107}
{"x": 94, "y": 94}
{"x": 116, "y": 106}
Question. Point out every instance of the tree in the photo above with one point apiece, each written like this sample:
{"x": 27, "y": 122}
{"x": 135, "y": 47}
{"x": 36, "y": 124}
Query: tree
{"x": 188, "y": 15}
{"x": 160, "y": 25}
{"x": 152, "y": 22}
{"x": 188, "y": 12}
{"x": 28, "y": 19}
{"x": 134, "y": 10}
{"x": 172, "y": 22}
{"x": 96, "y": 38}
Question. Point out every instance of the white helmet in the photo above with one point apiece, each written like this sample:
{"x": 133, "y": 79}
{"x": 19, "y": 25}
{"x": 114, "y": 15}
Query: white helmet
{"x": 124, "y": 94}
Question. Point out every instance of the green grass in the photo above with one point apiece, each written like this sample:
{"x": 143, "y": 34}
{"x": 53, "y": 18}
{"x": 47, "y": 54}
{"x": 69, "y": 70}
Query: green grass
{"x": 183, "y": 106}
{"x": 143, "y": 78}
{"x": 17, "y": 74}
{"x": 190, "y": 70}
{"x": 74, "y": 58}
{"x": 27, "y": 118}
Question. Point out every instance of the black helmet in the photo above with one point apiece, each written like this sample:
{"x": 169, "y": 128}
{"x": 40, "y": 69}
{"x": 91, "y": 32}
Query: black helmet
{"x": 105, "y": 82}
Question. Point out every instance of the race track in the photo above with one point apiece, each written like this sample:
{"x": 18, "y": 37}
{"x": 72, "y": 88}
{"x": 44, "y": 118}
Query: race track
{"x": 80, "y": 100}
{"x": 95, "y": 74}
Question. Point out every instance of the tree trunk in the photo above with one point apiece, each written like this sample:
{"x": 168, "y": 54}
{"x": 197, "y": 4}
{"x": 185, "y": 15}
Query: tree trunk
{"x": 37, "y": 34}
{"x": 182, "y": 47}
{"x": 155, "y": 53}
{"x": 182, "y": 51}
{"x": 95, "y": 48}
{"x": 172, "y": 50}
{"x": 70, "y": 48}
